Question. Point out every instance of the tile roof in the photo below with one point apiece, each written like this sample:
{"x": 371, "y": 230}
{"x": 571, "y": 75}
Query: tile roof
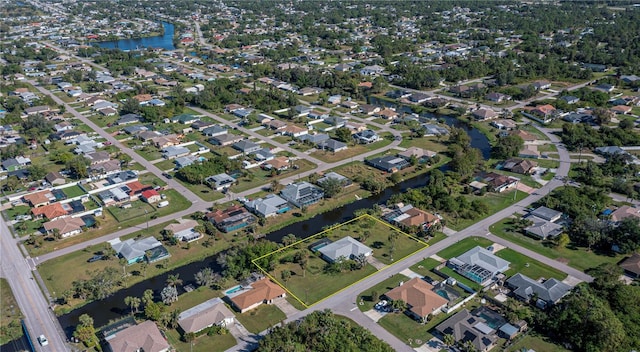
{"x": 419, "y": 295}
{"x": 262, "y": 290}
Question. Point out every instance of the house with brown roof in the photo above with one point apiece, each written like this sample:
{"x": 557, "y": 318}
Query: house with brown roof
{"x": 184, "y": 230}
{"x": 279, "y": 163}
{"x": 136, "y": 188}
{"x": 624, "y": 212}
{"x": 142, "y": 337}
{"x": 422, "y": 155}
{"x": 520, "y": 166}
{"x": 66, "y": 226}
{"x": 407, "y": 216}
{"x": 204, "y": 315}
{"x": 50, "y": 212}
{"x": 484, "y": 114}
{"x": 260, "y": 292}
{"x": 387, "y": 114}
{"x": 631, "y": 266}
{"x": 500, "y": 183}
{"x": 40, "y": 198}
{"x": 421, "y": 300}
{"x": 526, "y": 136}
{"x": 55, "y": 178}
{"x": 295, "y": 131}
{"x": 166, "y": 141}
{"x": 230, "y": 219}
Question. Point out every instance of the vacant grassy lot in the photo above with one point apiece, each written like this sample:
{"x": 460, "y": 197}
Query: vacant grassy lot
{"x": 138, "y": 209}
{"x": 495, "y": 203}
{"x": 528, "y": 266}
{"x": 367, "y": 300}
{"x": 429, "y": 143}
{"x": 261, "y": 318}
{"x": 424, "y": 267}
{"x": 536, "y": 343}
{"x": 463, "y": 246}
{"x": 350, "y": 152}
{"x": 73, "y": 191}
{"x": 577, "y": 257}
{"x": 204, "y": 343}
{"x": 10, "y": 318}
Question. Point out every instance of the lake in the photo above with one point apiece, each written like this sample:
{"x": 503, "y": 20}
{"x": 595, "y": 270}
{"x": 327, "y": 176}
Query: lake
{"x": 164, "y": 41}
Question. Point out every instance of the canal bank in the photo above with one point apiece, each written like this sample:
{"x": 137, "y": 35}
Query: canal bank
{"x": 113, "y": 307}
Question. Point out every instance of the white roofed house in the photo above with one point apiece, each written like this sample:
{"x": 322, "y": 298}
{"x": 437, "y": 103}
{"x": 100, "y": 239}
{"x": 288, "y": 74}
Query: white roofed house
{"x": 345, "y": 248}
{"x": 479, "y": 265}
{"x": 184, "y": 230}
{"x": 270, "y": 205}
{"x": 302, "y": 194}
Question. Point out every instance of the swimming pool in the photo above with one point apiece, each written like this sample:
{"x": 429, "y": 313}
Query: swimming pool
{"x": 233, "y": 290}
{"x": 443, "y": 294}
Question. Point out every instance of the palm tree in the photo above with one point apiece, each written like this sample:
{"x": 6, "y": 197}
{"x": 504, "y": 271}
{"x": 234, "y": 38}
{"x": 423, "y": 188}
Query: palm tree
{"x": 147, "y": 296}
{"x": 204, "y": 277}
{"x": 169, "y": 295}
{"x": 133, "y": 302}
{"x": 174, "y": 280}
{"x": 449, "y": 340}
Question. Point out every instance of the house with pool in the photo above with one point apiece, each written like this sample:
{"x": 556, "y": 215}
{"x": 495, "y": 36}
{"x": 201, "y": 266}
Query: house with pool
{"x": 479, "y": 265}
{"x": 422, "y": 301}
{"x": 249, "y": 296}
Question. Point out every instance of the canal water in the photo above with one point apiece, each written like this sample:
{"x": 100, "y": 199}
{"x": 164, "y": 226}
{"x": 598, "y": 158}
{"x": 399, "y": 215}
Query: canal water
{"x": 113, "y": 307}
{"x": 164, "y": 41}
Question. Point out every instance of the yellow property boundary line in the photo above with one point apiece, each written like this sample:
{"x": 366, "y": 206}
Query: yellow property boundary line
{"x": 365, "y": 216}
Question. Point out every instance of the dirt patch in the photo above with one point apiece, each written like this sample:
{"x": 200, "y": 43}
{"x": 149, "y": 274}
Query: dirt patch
{"x": 563, "y": 260}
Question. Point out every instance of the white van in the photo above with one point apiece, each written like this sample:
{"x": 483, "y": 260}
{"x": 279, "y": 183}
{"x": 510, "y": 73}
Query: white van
{"x": 163, "y": 204}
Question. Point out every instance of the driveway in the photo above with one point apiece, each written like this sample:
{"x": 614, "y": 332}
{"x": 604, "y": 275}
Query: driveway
{"x": 286, "y": 307}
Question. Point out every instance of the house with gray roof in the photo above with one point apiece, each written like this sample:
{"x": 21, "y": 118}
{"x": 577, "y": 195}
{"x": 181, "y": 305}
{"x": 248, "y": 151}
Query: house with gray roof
{"x": 334, "y": 176}
{"x": 204, "y": 315}
{"x": 302, "y": 194}
{"x": 332, "y": 145}
{"x": 344, "y": 248}
{"x": 135, "y": 129}
{"x": 246, "y": 146}
{"x": 546, "y": 293}
{"x": 314, "y": 138}
{"x": 546, "y": 214}
{"x": 135, "y": 251}
{"x": 465, "y": 326}
{"x": 263, "y": 154}
{"x": 388, "y": 163}
{"x": 366, "y": 137}
{"x": 128, "y": 119}
{"x": 220, "y": 181}
{"x": 174, "y": 151}
{"x": 186, "y": 161}
{"x": 479, "y": 265}
{"x": 225, "y": 139}
{"x": 543, "y": 229}
{"x": 268, "y": 206}
{"x": 214, "y": 131}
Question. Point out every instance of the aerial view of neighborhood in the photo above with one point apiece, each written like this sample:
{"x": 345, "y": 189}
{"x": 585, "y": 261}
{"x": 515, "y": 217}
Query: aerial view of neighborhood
{"x": 233, "y": 175}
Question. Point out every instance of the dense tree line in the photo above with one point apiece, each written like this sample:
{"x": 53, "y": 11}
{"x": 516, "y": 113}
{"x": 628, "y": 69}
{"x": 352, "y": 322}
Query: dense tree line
{"x": 237, "y": 262}
{"x": 577, "y": 136}
{"x": 196, "y": 173}
{"x": 322, "y": 332}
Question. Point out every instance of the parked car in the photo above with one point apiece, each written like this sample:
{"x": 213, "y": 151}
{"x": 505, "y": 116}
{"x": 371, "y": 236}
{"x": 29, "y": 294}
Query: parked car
{"x": 95, "y": 258}
{"x": 43, "y": 340}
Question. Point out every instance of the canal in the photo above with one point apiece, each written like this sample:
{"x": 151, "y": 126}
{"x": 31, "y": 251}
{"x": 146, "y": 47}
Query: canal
{"x": 164, "y": 41}
{"x": 113, "y": 307}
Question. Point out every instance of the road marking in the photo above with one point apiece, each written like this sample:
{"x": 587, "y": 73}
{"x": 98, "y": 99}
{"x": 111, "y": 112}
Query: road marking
{"x": 354, "y": 308}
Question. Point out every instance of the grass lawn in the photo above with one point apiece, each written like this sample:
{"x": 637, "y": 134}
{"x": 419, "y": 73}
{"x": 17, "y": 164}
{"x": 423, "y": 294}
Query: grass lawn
{"x": 261, "y": 318}
{"x": 10, "y": 314}
{"x": 495, "y": 203}
{"x": 528, "y": 266}
{"x": 367, "y": 300}
{"x": 204, "y": 343}
{"x": 463, "y": 246}
{"x": 73, "y": 191}
{"x": 536, "y": 343}
{"x": 406, "y": 329}
{"x": 150, "y": 153}
{"x": 138, "y": 209}
{"x": 350, "y": 152}
{"x": 547, "y": 148}
{"x": 578, "y": 258}
{"x": 424, "y": 267}
{"x": 260, "y": 177}
{"x": 461, "y": 279}
{"x": 429, "y": 143}
{"x": 203, "y": 191}
{"x": 165, "y": 165}
{"x": 18, "y": 210}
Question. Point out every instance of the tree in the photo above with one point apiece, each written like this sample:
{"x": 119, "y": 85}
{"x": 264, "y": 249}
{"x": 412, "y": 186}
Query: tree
{"x": 344, "y": 134}
{"x": 204, "y": 277}
{"x": 85, "y": 332}
{"x": 174, "y": 280}
{"x": 449, "y": 340}
{"x": 124, "y": 264}
{"x": 36, "y": 172}
{"x": 602, "y": 116}
{"x": 289, "y": 239}
{"x": 153, "y": 311}
{"x": 133, "y": 303}
{"x": 507, "y": 147}
{"x": 285, "y": 275}
{"x": 398, "y": 305}
{"x": 169, "y": 294}
{"x": 331, "y": 187}
{"x": 562, "y": 240}
{"x": 147, "y": 296}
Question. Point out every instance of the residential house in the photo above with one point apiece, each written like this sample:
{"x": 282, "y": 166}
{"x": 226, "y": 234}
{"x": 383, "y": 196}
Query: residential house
{"x": 504, "y": 124}
{"x": 220, "y": 181}
{"x": 631, "y": 266}
{"x": 136, "y": 188}
{"x": 388, "y": 163}
{"x": 373, "y": 70}
{"x": 302, "y": 194}
{"x": 246, "y": 146}
{"x": 35, "y": 110}
{"x": 465, "y": 326}
{"x": 366, "y": 137}
{"x": 520, "y": 166}
{"x": 165, "y": 141}
{"x": 135, "y": 251}
{"x": 355, "y": 127}
{"x": 263, "y": 154}
{"x": 214, "y": 131}
{"x": 184, "y": 230}
{"x": 497, "y": 97}
{"x": 128, "y": 119}
{"x": 485, "y": 114}
{"x": 172, "y": 152}
{"x": 334, "y": 99}
{"x": 624, "y": 212}
{"x": 479, "y": 265}
{"x": 242, "y": 113}
{"x": 150, "y": 196}
{"x": 51, "y": 211}
{"x": 40, "y": 198}
{"x": 142, "y": 337}
{"x": 422, "y": 155}
{"x": 607, "y": 88}
{"x": 107, "y": 167}
{"x": 201, "y": 125}
{"x": 66, "y": 227}
{"x": 186, "y": 161}
{"x": 230, "y": 219}
{"x": 314, "y": 139}
{"x": 369, "y": 109}
{"x": 63, "y": 126}
{"x": 280, "y": 163}
{"x": 275, "y": 124}
{"x": 295, "y": 131}
{"x": 500, "y": 183}
{"x": 387, "y": 114}
{"x": 349, "y": 104}
{"x": 539, "y": 85}
{"x": 204, "y": 315}
{"x": 570, "y": 99}
{"x": 421, "y": 299}
{"x": 334, "y": 176}
{"x": 16, "y": 163}
{"x": 185, "y": 119}
{"x": 526, "y": 136}
{"x": 332, "y": 145}
{"x": 55, "y": 178}
{"x": 260, "y": 292}
{"x": 97, "y": 157}
{"x": 545, "y": 213}
{"x": 225, "y": 139}
{"x": 409, "y": 216}
{"x": 621, "y": 109}
{"x": 543, "y": 113}
{"x": 301, "y": 110}
{"x": 543, "y": 229}
{"x": 270, "y": 205}
{"x": 344, "y": 249}
{"x": 545, "y": 293}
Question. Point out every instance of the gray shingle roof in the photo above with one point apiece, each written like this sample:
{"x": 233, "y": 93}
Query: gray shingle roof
{"x": 549, "y": 291}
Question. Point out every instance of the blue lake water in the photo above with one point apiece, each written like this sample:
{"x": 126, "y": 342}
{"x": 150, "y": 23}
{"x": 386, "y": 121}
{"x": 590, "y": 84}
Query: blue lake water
{"x": 164, "y": 41}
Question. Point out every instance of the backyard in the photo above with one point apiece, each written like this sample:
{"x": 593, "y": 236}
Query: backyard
{"x": 368, "y": 300}
{"x": 261, "y": 318}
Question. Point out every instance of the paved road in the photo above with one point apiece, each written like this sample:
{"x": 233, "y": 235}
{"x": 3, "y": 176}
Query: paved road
{"x": 35, "y": 308}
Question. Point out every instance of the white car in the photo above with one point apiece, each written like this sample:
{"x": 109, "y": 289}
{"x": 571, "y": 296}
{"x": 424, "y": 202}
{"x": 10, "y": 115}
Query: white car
{"x": 43, "y": 340}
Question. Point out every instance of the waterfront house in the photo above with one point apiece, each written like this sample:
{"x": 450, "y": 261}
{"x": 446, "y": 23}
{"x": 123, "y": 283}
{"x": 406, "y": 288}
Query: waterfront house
{"x": 302, "y": 194}
{"x": 270, "y": 205}
{"x": 260, "y": 292}
{"x": 204, "y": 315}
{"x": 230, "y": 219}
